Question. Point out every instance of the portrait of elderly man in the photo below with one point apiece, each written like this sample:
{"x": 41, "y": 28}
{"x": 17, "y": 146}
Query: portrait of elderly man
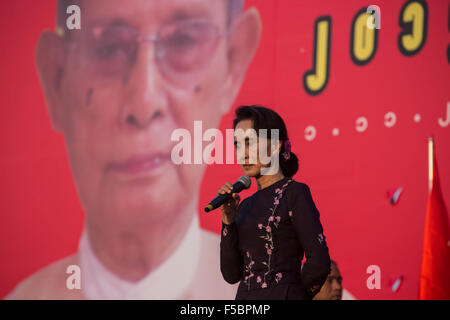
{"x": 116, "y": 90}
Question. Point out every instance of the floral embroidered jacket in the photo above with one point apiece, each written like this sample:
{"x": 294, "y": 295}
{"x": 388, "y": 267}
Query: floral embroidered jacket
{"x": 274, "y": 229}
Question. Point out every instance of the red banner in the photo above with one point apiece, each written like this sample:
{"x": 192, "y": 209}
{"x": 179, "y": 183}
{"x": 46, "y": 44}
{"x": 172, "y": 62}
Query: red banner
{"x": 360, "y": 89}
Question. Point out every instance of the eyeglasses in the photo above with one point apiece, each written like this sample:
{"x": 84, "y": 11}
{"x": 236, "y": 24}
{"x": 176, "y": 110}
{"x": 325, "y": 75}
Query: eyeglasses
{"x": 181, "y": 49}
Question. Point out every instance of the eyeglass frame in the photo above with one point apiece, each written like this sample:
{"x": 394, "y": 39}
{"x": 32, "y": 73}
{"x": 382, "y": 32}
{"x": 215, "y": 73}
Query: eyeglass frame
{"x": 154, "y": 37}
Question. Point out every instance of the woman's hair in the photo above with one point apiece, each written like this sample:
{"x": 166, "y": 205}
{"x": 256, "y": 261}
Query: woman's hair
{"x": 265, "y": 118}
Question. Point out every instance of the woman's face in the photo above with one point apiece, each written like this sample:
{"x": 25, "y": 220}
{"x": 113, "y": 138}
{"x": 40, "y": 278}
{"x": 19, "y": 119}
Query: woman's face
{"x": 249, "y": 159}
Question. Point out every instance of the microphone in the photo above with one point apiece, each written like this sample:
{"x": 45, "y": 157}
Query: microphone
{"x": 243, "y": 182}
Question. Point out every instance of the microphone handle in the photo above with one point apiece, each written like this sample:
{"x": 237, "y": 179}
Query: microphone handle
{"x": 222, "y": 198}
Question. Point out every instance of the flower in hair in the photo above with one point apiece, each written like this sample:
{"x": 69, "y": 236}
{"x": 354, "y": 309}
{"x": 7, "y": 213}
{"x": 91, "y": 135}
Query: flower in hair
{"x": 287, "y": 150}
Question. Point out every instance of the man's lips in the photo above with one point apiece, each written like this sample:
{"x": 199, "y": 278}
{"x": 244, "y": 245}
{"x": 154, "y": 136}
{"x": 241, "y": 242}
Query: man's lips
{"x": 139, "y": 163}
{"x": 336, "y": 297}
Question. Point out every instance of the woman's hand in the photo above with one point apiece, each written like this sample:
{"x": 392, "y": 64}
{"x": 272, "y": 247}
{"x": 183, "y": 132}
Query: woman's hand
{"x": 229, "y": 208}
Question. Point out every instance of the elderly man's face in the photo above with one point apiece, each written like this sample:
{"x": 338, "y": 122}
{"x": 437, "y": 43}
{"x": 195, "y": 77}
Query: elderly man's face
{"x": 136, "y": 71}
{"x": 332, "y": 288}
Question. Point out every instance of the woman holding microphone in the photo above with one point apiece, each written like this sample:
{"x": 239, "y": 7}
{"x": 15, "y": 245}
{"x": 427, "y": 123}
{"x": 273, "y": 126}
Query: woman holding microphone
{"x": 265, "y": 237}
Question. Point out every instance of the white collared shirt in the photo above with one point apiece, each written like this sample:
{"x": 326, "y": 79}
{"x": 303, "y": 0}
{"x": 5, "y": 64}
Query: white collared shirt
{"x": 170, "y": 280}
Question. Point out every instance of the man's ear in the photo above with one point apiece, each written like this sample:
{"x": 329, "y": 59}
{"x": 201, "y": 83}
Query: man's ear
{"x": 245, "y": 34}
{"x": 49, "y": 58}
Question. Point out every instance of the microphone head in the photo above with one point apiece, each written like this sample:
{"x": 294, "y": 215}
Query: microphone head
{"x": 246, "y": 181}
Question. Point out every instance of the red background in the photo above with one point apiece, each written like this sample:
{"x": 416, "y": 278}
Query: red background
{"x": 349, "y": 174}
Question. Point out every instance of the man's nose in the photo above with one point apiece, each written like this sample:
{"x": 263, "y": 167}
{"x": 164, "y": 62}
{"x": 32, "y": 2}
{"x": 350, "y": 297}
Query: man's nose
{"x": 145, "y": 98}
{"x": 336, "y": 285}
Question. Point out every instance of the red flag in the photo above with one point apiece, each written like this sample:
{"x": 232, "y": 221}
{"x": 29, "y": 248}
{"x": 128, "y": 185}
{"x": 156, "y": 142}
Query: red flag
{"x": 435, "y": 270}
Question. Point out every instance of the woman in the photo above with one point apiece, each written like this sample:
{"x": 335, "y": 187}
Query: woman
{"x": 264, "y": 238}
